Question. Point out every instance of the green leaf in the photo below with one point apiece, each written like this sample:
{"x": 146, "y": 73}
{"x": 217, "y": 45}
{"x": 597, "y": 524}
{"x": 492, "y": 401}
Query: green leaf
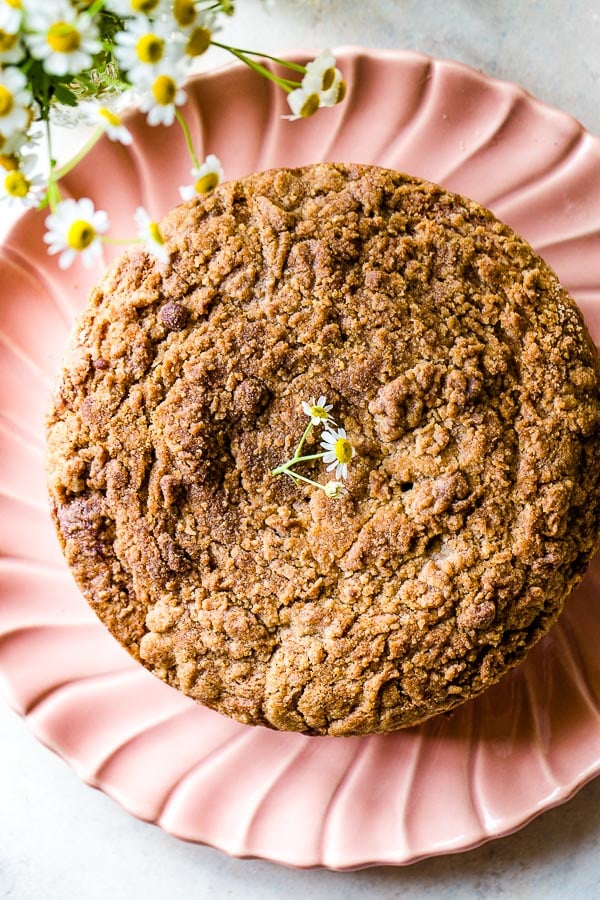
{"x": 65, "y": 95}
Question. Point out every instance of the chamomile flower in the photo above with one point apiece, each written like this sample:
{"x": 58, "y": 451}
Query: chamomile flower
{"x": 149, "y": 232}
{"x": 14, "y": 142}
{"x": 11, "y": 15}
{"x": 336, "y": 93}
{"x": 143, "y": 46}
{"x": 338, "y": 451}
{"x": 11, "y": 47}
{"x": 108, "y": 119}
{"x": 322, "y": 85}
{"x": 323, "y": 77}
{"x": 15, "y": 102}
{"x": 63, "y": 38}
{"x": 321, "y": 70}
{"x": 318, "y": 411}
{"x": 163, "y": 93}
{"x": 76, "y": 229}
{"x": 206, "y": 178}
{"x": 185, "y": 13}
{"x": 127, "y": 8}
{"x": 19, "y": 184}
{"x": 303, "y": 102}
{"x": 9, "y": 161}
{"x": 196, "y": 27}
{"x": 335, "y": 490}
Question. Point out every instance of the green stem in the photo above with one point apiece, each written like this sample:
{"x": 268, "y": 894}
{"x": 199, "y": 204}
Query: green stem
{"x": 284, "y": 468}
{"x": 284, "y": 83}
{"x": 83, "y": 152}
{"x": 188, "y": 139}
{"x": 296, "y": 475}
{"x": 299, "y": 459}
{"x": 282, "y": 62}
{"x": 52, "y": 191}
{"x": 307, "y": 431}
{"x": 95, "y": 8}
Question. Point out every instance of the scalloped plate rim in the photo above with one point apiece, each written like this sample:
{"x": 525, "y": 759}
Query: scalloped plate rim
{"x": 567, "y": 791}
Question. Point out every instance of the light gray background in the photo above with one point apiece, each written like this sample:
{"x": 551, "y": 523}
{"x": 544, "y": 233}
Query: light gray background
{"x": 59, "y": 839}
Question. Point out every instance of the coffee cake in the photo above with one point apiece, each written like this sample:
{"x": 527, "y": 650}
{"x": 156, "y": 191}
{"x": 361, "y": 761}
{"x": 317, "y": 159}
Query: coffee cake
{"x": 461, "y": 370}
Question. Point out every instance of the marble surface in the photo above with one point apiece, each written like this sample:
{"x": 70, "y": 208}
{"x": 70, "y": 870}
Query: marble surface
{"x": 61, "y": 840}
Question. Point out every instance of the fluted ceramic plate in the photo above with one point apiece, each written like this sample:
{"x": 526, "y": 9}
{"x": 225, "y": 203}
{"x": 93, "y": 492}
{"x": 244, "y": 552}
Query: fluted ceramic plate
{"x": 525, "y": 745}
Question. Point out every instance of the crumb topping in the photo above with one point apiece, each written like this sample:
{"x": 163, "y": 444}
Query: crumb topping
{"x": 469, "y": 384}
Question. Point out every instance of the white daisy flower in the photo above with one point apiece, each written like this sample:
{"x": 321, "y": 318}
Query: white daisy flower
{"x": 338, "y": 451}
{"x": 15, "y": 102}
{"x": 185, "y": 13}
{"x": 187, "y": 16}
{"x": 163, "y": 92}
{"x": 320, "y": 70}
{"x": 322, "y": 85}
{"x": 196, "y": 27}
{"x": 323, "y": 76}
{"x": 11, "y": 47}
{"x": 63, "y": 38}
{"x": 108, "y": 119}
{"x": 14, "y": 142}
{"x": 206, "y": 178}
{"x": 149, "y": 232}
{"x": 127, "y": 8}
{"x": 11, "y": 15}
{"x": 303, "y": 102}
{"x": 318, "y": 411}
{"x": 144, "y": 46}
{"x": 19, "y": 183}
{"x": 335, "y": 490}
{"x": 336, "y": 93}
{"x": 76, "y": 229}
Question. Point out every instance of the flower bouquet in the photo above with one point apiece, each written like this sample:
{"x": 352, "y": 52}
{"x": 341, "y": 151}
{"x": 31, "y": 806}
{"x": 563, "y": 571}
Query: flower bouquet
{"x": 96, "y": 57}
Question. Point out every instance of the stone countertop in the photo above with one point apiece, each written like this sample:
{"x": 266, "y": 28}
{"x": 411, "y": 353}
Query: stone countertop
{"x": 62, "y": 840}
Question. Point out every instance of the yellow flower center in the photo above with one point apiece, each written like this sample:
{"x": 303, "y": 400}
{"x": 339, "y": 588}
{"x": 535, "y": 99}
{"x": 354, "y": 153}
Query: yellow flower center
{"x": 7, "y": 41}
{"x": 16, "y": 184}
{"x": 144, "y": 6}
{"x": 80, "y": 234}
{"x": 334, "y": 490}
{"x": 310, "y": 106}
{"x": 199, "y": 41}
{"x": 343, "y": 450}
{"x": 6, "y": 100}
{"x": 342, "y": 89}
{"x": 9, "y": 162}
{"x": 15, "y": 4}
{"x": 328, "y": 78}
{"x": 318, "y": 412}
{"x": 164, "y": 90}
{"x": 184, "y": 11}
{"x": 150, "y": 48}
{"x": 111, "y": 117}
{"x": 63, "y": 37}
{"x": 207, "y": 183}
{"x": 155, "y": 233}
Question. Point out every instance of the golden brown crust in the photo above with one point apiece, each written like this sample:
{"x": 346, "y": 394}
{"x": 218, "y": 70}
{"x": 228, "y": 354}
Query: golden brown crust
{"x": 462, "y": 372}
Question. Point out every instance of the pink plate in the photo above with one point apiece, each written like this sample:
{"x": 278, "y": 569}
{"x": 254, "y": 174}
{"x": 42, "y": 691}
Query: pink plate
{"x": 455, "y": 782}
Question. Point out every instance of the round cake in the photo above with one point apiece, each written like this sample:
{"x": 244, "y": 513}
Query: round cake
{"x": 441, "y": 383}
